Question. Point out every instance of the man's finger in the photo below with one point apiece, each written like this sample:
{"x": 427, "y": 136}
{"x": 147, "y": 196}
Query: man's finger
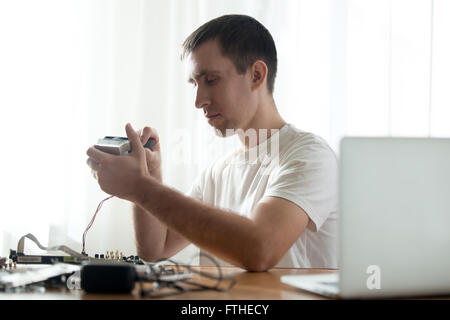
{"x": 139, "y": 133}
{"x": 136, "y": 145}
{"x": 94, "y": 165}
{"x": 148, "y": 133}
{"x": 94, "y": 174}
{"x": 97, "y": 155}
{"x": 142, "y": 136}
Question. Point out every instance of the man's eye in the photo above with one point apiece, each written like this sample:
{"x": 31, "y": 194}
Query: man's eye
{"x": 210, "y": 80}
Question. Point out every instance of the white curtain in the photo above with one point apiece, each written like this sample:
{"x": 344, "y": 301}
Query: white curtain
{"x": 72, "y": 71}
{"x": 397, "y": 67}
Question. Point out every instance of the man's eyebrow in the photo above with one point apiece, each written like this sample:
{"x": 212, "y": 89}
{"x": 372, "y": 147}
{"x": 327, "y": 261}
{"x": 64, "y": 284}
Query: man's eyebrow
{"x": 200, "y": 74}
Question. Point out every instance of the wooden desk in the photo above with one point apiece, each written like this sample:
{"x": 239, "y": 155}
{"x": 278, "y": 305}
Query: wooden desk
{"x": 249, "y": 286}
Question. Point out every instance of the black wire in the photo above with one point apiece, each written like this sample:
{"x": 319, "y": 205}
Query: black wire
{"x": 160, "y": 284}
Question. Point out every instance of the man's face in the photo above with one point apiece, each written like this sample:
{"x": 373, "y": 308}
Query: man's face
{"x": 226, "y": 97}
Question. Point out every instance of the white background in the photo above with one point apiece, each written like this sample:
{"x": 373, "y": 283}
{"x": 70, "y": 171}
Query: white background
{"x": 72, "y": 71}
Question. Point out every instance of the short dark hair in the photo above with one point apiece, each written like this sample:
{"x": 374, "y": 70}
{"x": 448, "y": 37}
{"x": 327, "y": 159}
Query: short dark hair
{"x": 242, "y": 39}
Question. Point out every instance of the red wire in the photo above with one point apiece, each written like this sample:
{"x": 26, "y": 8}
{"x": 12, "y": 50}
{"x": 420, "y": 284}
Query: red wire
{"x": 92, "y": 221}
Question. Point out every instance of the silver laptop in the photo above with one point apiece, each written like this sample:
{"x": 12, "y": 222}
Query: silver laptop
{"x": 394, "y": 225}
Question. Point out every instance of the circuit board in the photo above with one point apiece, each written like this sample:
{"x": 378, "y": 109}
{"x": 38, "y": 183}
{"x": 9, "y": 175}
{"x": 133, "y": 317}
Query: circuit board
{"x": 21, "y": 258}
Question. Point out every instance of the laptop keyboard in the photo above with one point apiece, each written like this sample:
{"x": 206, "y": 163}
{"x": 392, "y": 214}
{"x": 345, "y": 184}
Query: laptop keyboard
{"x": 330, "y": 283}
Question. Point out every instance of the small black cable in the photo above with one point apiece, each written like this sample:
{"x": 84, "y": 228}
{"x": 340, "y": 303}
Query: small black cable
{"x": 160, "y": 284}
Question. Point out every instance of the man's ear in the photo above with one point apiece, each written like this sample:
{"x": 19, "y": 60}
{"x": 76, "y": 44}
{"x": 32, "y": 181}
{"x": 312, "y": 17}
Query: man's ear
{"x": 259, "y": 74}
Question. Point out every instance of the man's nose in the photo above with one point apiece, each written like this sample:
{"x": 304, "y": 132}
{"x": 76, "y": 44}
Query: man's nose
{"x": 202, "y": 98}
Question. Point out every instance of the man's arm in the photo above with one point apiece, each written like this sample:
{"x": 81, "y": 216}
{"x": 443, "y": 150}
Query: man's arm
{"x": 255, "y": 243}
{"x": 154, "y": 241}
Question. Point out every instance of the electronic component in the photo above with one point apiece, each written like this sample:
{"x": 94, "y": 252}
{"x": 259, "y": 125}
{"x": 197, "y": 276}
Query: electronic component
{"x": 119, "y": 145}
{"x": 35, "y": 275}
{"x": 115, "y": 274}
{"x": 121, "y": 277}
{"x": 20, "y": 257}
{"x": 73, "y": 256}
{"x": 111, "y": 278}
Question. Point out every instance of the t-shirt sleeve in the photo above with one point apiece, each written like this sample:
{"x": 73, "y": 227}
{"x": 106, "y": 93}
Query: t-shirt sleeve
{"x": 203, "y": 186}
{"x": 307, "y": 176}
{"x": 196, "y": 190}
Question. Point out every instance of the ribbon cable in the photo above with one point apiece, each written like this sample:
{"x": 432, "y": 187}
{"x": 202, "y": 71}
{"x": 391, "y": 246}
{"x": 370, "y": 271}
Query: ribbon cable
{"x": 21, "y": 246}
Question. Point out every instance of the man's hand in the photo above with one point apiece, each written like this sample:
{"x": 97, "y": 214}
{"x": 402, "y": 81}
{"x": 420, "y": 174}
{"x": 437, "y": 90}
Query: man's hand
{"x": 120, "y": 175}
{"x": 153, "y": 156}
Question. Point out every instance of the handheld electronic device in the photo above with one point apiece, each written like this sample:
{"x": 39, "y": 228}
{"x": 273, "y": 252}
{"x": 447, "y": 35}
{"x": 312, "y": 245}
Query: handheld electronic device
{"x": 119, "y": 145}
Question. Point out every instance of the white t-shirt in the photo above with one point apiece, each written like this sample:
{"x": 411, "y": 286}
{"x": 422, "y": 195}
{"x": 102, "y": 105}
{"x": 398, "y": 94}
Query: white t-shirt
{"x": 305, "y": 173}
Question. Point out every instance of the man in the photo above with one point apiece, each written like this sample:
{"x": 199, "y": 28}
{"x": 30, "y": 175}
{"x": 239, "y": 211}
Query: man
{"x": 250, "y": 214}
